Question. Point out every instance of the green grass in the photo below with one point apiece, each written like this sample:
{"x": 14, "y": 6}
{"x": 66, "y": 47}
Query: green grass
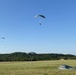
{"x": 36, "y": 68}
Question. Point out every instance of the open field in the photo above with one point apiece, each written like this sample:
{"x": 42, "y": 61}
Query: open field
{"x": 36, "y": 68}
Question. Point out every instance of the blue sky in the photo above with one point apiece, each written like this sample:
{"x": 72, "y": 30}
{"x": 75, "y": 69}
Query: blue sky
{"x": 22, "y": 31}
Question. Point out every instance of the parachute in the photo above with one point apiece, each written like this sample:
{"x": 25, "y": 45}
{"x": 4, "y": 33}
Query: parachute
{"x": 2, "y": 38}
{"x": 42, "y": 16}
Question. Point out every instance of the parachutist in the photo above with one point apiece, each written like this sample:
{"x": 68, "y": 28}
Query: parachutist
{"x": 40, "y": 23}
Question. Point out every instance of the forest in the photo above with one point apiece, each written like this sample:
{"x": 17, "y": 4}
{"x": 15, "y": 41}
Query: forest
{"x": 32, "y": 56}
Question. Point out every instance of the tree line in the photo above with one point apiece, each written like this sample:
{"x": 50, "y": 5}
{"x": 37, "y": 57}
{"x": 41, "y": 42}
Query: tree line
{"x": 32, "y": 56}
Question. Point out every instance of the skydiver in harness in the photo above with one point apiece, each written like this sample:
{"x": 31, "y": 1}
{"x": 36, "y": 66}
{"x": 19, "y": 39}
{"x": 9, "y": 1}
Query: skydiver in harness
{"x": 40, "y": 23}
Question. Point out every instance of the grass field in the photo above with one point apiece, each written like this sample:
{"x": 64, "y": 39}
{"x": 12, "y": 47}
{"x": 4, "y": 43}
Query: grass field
{"x": 36, "y": 68}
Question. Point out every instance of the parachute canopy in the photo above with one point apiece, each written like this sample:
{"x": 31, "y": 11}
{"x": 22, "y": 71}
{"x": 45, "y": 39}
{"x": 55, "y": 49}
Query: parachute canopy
{"x": 66, "y": 67}
{"x": 40, "y": 16}
{"x": 2, "y": 38}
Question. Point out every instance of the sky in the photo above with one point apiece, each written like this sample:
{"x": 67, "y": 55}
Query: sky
{"x": 22, "y": 32}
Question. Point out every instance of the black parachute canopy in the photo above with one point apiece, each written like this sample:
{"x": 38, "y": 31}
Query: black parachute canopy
{"x": 40, "y": 16}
